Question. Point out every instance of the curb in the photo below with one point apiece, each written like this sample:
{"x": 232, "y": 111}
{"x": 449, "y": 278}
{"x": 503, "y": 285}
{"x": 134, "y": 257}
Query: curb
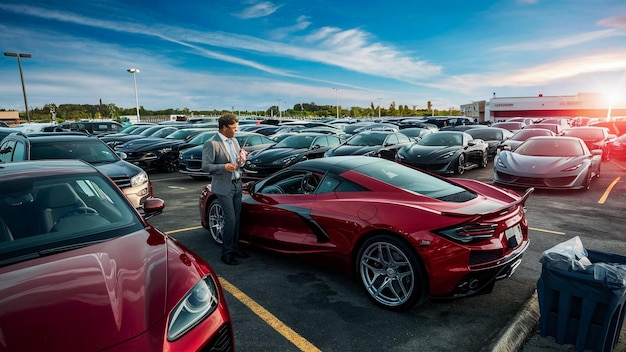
{"x": 519, "y": 329}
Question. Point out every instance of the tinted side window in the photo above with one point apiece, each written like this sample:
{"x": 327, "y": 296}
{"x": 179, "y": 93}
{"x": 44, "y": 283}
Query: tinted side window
{"x": 20, "y": 151}
{"x": 321, "y": 141}
{"x": 6, "y": 151}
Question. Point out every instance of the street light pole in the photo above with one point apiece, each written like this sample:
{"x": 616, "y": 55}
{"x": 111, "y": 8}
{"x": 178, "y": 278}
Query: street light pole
{"x": 337, "y": 100}
{"x": 134, "y": 71}
{"x": 19, "y": 63}
{"x": 379, "y": 107}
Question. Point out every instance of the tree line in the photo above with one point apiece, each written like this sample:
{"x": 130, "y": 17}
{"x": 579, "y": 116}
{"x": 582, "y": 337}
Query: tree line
{"x": 75, "y": 112}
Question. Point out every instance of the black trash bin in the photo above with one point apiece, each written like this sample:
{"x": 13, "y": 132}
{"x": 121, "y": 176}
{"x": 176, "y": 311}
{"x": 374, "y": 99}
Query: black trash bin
{"x": 578, "y": 309}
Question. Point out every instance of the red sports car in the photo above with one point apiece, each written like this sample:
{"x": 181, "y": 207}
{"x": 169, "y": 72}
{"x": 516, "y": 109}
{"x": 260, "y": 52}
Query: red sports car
{"x": 404, "y": 233}
{"x": 82, "y": 270}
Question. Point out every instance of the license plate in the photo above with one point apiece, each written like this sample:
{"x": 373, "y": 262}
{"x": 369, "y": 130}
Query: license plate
{"x": 514, "y": 235}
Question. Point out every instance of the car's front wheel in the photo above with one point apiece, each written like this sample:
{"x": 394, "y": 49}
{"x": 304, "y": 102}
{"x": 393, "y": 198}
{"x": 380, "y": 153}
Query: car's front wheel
{"x": 484, "y": 160}
{"x": 215, "y": 215}
{"x": 390, "y": 273}
{"x": 460, "y": 164}
{"x": 169, "y": 162}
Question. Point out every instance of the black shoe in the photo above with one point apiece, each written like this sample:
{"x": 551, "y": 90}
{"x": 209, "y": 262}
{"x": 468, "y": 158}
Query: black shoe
{"x": 229, "y": 260}
{"x": 241, "y": 254}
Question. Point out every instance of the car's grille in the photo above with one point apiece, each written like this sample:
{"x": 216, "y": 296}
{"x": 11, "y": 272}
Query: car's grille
{"x": 538, "y": 182}
{"x": 194, "y": 164}
{"x": 480, "y": 257}
{"x": 121, "y": 181}
{"x": 222, "y": 341}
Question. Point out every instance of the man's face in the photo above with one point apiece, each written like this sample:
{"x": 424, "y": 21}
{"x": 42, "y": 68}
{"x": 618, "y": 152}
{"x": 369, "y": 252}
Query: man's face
{"x": 229, "y": 131}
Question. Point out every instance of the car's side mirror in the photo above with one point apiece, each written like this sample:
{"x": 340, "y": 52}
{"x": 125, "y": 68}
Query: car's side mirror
{"x": 153, "y": 207}
{"x": 317, "y": 146}
{"x": 122, "y": 155}
{"x": 249, "y": 186}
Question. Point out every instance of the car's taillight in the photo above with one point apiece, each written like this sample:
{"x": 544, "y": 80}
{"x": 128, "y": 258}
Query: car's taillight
{"x": 468, "y": 233}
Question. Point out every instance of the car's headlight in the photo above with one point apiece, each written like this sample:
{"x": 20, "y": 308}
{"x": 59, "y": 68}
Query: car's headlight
{"x": 139, "y": 179}
{"x": 197, "y": 304}
{"x": 500, "y": 163}
{"x": 290, "y": 159}
{"x": 447, "y": 155}
{"x": 572, "y": 168}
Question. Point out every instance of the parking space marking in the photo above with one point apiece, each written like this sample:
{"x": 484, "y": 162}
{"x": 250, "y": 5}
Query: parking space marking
{"x": 608, "y": 191}
{"x": 548, "y": 231}
{"x": 183, "y": 230}
{"x": 269, "y": 318}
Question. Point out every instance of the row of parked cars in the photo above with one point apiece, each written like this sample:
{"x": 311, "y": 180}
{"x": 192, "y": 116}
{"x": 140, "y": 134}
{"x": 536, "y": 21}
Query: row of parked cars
{"x": 73, "y": 245}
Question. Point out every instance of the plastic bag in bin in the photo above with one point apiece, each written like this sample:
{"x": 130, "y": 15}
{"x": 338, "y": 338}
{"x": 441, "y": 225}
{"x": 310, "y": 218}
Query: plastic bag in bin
{"x": 611, "y": 275}
{"x": 568, "y": 255}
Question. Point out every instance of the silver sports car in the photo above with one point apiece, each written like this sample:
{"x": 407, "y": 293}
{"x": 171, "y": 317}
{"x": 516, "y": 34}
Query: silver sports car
{"x": 551, "y": 162}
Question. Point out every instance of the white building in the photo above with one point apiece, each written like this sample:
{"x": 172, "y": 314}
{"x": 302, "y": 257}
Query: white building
{"x": 581, "y": 104}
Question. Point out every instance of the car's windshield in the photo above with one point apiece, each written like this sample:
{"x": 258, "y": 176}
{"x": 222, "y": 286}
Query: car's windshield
{"x": 201, "y": 138}
{"x": 44, "y": 215}
{"x": 298, "y": 142}
{"x": 441, "y": 139}
{"x": 525, "y": 134}
{"x": 164, "y": 132}
{"x": 89, "y": 150}
{"x": 415, "y": 181}
{"x": 585, "y": 133}
{"x": 554, "y": 147}
{"x": 182, "y": 134}
{"x": 486, "y": 134}
{"x": 367, "y": 139}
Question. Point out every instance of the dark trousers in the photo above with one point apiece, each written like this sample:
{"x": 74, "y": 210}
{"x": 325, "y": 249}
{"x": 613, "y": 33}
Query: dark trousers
{"x": 231, "y": 205}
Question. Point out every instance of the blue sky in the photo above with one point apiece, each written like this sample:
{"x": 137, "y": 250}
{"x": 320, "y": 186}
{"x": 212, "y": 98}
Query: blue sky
{"x": 250, "y": 55}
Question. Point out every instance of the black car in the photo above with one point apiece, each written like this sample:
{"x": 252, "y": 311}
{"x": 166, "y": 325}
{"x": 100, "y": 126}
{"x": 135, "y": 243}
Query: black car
{"x": 190, "y": 159}
{"x": 287, "y": 152}
{"x": 382, "y": 144}
{"x": 445, "y": 152}
{"x": 115, "y": 139}
{"x": 131, "y": 179}
{"x": 494, "y": 137}
{"x": 159, "y": 153}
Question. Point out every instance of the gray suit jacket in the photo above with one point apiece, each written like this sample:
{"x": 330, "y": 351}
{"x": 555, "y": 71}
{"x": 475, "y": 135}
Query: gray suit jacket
{"x": 214, "y": 156}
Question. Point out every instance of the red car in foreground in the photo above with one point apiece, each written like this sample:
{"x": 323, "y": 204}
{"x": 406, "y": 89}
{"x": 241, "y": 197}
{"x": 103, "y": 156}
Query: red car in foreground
{"x": 82, "y": 270}
{"x": 406, "y": 234}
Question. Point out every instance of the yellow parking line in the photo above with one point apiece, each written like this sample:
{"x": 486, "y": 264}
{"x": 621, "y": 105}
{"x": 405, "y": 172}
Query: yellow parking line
{"x": 548, "y": 231}
{"x": 608, "y": 190}
{"x": 269, "y": 318}
{"x": 183, "y": 230}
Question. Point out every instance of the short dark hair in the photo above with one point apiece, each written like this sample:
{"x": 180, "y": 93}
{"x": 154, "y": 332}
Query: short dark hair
{"x": 226, "y": 120}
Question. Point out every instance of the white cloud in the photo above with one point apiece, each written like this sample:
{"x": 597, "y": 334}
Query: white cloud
{"x": 261, "y": 9}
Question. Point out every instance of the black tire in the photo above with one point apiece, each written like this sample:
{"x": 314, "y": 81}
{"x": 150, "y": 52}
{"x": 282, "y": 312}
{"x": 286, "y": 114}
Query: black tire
{"x": 606, "y": 154}
{"x": 460, "y": 165}
{"x": 390, "y": 273}
{"x": 168, "y": 162}
{"x": 215, "y": 217}
{"x": 587, "y": 184}
{"x": 484, "y": 160}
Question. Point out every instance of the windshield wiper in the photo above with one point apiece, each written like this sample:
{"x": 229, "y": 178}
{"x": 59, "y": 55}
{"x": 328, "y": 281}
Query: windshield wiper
{"x": 68, "y": 247}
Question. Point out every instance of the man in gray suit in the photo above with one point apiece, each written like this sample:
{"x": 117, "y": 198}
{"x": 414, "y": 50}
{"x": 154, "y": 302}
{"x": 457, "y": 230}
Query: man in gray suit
{"x": 222, "y": 158}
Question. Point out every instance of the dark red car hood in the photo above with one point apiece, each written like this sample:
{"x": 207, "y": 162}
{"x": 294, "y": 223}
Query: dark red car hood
{"x": 89, "y": 298}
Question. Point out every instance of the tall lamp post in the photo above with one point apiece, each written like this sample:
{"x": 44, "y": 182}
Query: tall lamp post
{"x": 379, "y": 107}
{"x": 337, "y": 100}
{"x": 19, "y": 63}
{"x": 134, "y": 71}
